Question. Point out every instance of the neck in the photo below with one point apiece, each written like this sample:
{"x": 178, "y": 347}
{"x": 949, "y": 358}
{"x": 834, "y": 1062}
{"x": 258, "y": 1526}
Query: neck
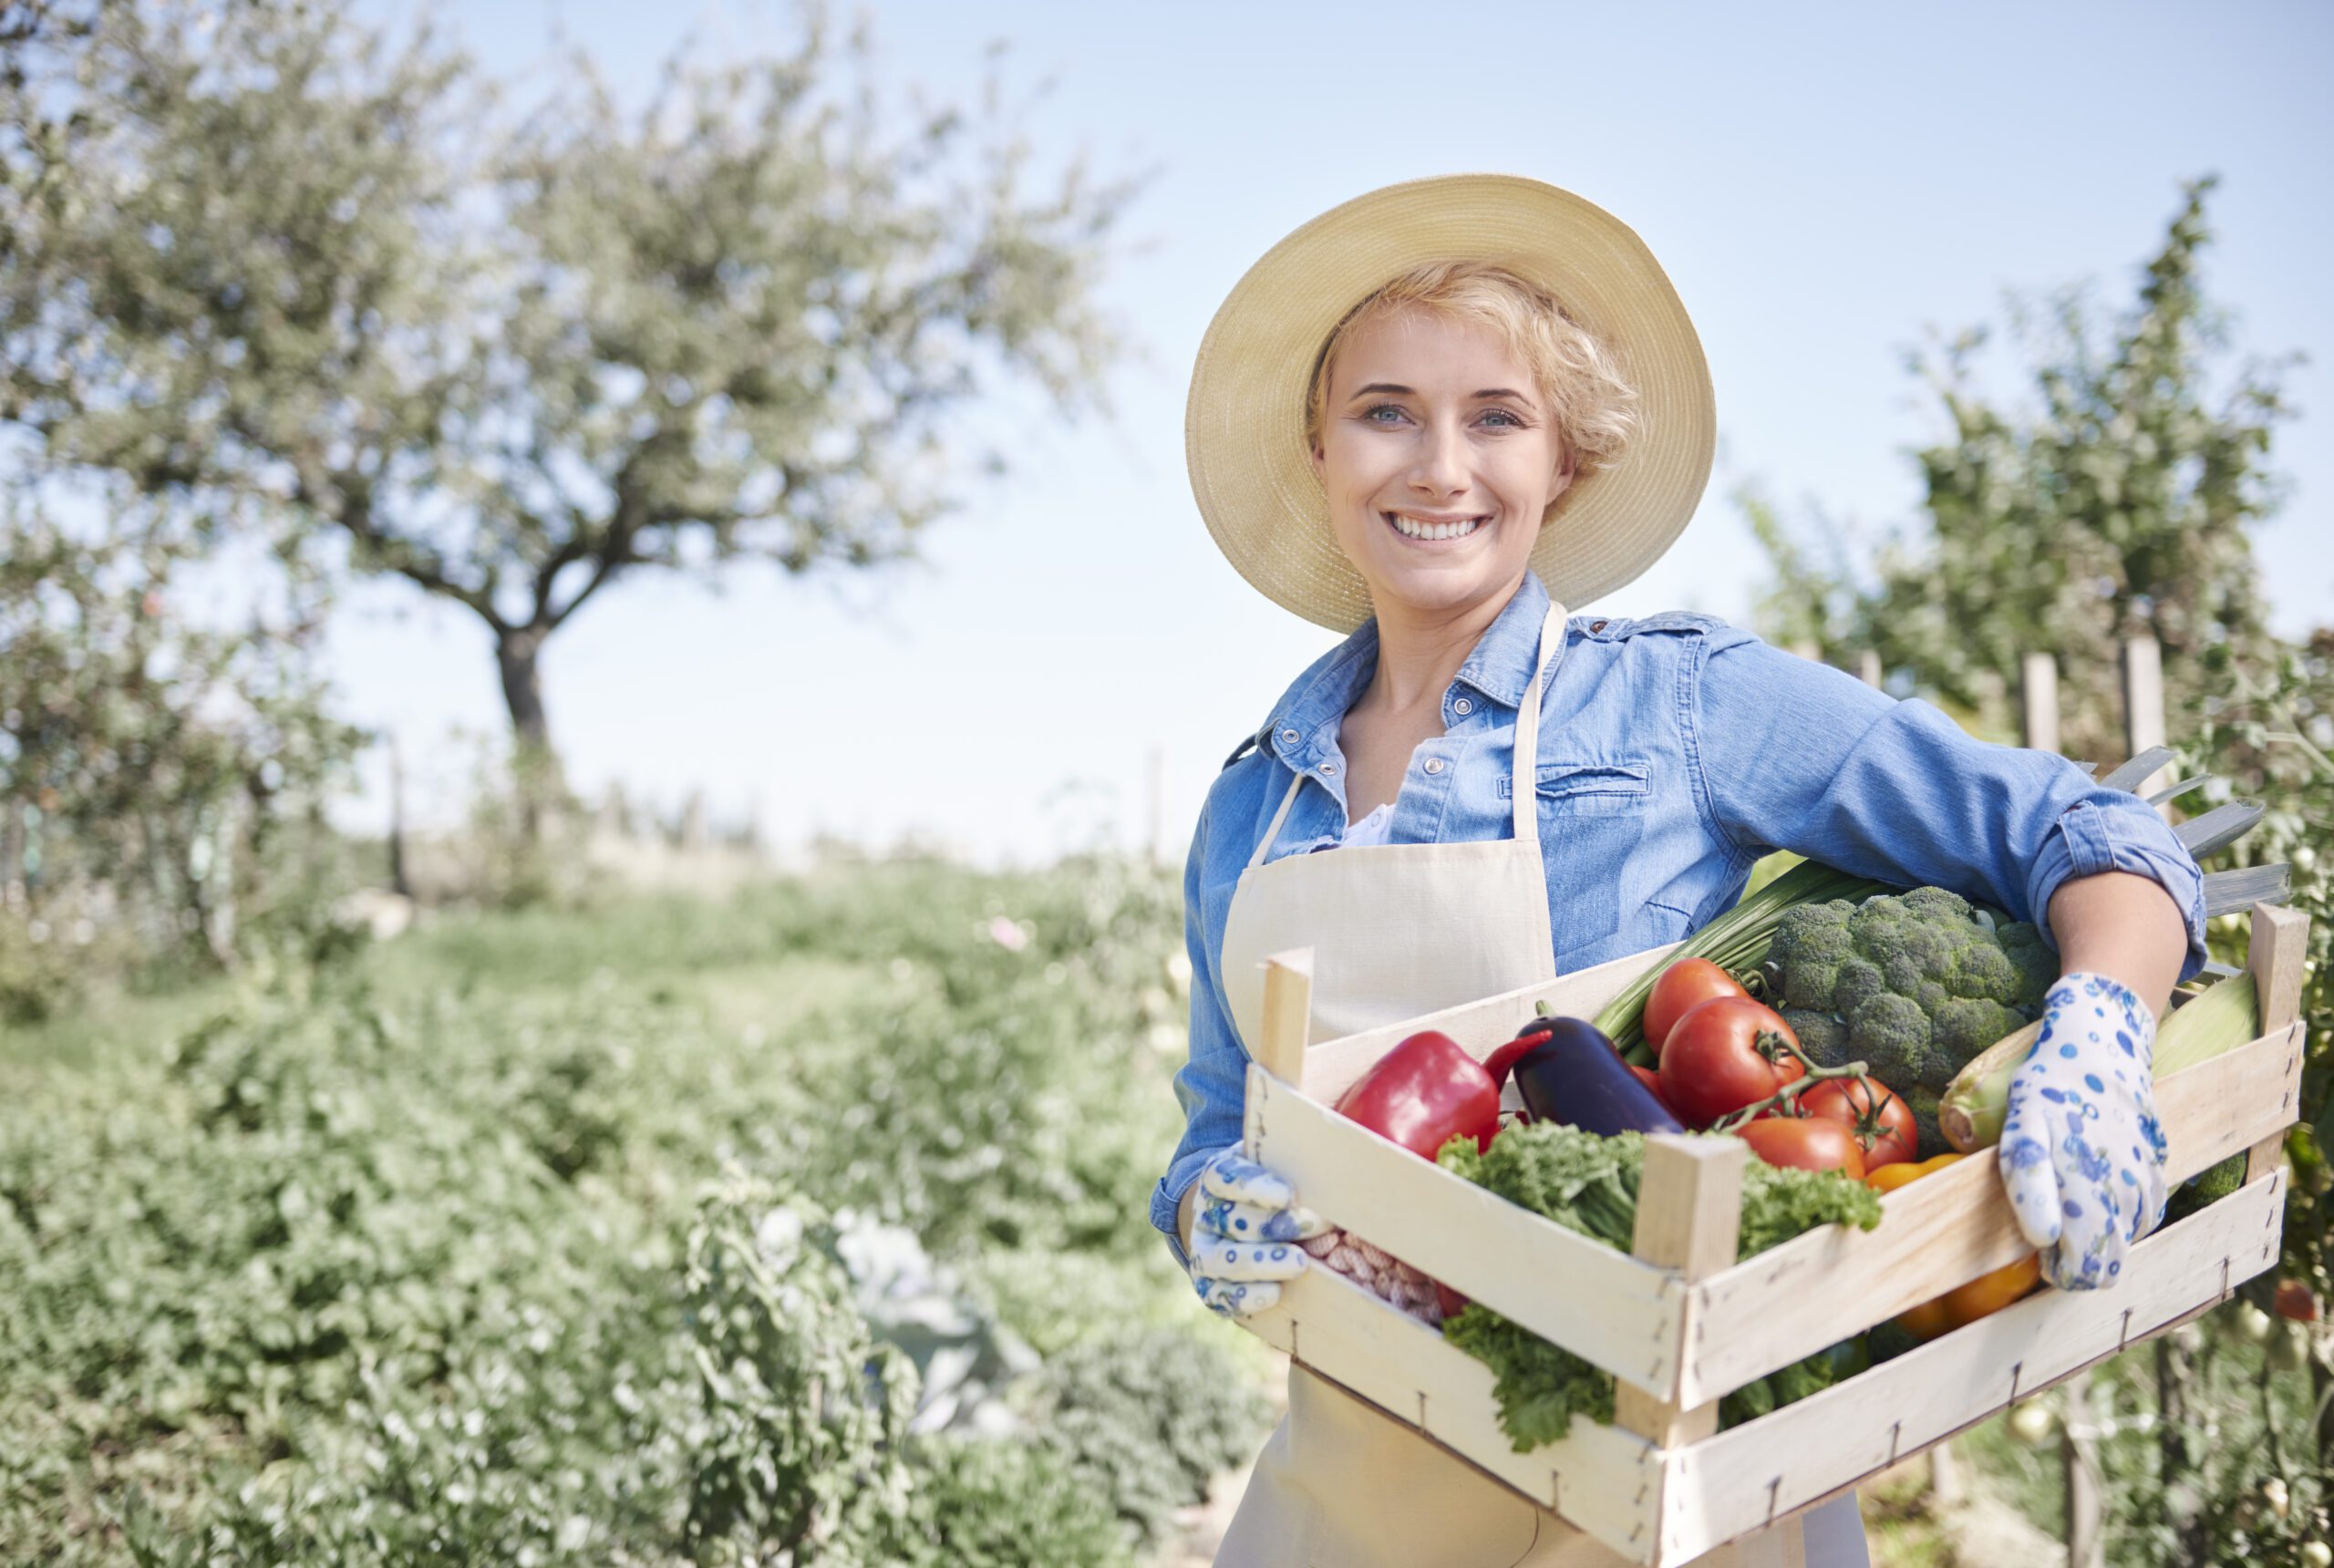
{"x": 1420, "y": 651}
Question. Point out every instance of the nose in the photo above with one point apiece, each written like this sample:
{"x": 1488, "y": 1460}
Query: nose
{"x": 1441, "y": 465}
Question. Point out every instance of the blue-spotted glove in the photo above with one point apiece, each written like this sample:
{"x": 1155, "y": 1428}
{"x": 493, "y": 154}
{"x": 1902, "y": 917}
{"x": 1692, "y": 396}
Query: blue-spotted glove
{"x": 2082, "y": 1155}
{"x": 1244, "y": 1236}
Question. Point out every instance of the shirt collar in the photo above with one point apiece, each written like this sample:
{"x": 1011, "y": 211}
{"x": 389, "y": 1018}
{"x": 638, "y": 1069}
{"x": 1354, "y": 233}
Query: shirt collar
{"x": 1508, "y": 653}
{"x": 1303, "y": 723}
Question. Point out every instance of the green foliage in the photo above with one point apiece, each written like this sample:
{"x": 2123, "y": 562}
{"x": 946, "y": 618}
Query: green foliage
{"x": 420, "y": 1263}
{"x": 2116, "y": 499}
{"x": 1590, "y": 1184}
{"x": 1146, "y": 1420}
{"x": 161, "y": 782}
{"x": 1004, "y": 1505}
{"x": 2274, "y": 736}
{"x": 265, "y": 251}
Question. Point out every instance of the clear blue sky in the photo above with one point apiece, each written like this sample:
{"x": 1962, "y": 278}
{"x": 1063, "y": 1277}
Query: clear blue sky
{"x": 1821, "y": 182}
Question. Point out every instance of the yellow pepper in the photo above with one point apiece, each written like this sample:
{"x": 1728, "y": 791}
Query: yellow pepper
{"x": 1988, "y": 1293}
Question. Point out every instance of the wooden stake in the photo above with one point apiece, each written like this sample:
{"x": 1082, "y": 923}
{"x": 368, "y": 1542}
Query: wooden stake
{"x": 1689, "y": 1218}
{"x": 2279, "y": 945}
{"x": 2039, "y": 701}
{"x": 2143, "y": 705}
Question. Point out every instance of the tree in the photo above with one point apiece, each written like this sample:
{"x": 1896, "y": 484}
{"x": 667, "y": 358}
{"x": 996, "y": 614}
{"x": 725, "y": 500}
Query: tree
{"x": 161, "y": 782}
{"x": 258, "y": 255}
{"x": 2117, "y": 502}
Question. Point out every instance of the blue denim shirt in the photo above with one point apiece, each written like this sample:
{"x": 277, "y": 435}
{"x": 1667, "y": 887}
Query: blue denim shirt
{"x": 1675, "y": 751}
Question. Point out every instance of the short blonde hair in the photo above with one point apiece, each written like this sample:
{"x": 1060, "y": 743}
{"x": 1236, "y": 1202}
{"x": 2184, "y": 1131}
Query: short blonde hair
{"x": 1594, "y": 407}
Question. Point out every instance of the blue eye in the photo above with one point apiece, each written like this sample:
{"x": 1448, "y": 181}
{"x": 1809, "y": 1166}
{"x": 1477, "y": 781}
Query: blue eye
{"x": 1370, "y": 414}
{"x": 1503, "y": 414}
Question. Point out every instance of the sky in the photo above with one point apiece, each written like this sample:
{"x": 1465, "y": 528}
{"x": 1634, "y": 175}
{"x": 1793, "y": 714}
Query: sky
{"x": 1073, "y": 661}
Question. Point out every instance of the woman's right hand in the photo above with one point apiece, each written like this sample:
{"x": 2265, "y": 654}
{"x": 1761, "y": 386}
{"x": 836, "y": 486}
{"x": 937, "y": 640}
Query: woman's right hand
{"x": 1244, "y": 1236}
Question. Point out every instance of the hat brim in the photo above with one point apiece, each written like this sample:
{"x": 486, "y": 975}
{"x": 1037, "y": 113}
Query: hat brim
{"x": 1244, "y": 427}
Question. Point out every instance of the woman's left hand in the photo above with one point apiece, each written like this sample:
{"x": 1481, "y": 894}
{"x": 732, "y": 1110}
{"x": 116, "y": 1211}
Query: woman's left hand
{"x": 2082, "y": 1152}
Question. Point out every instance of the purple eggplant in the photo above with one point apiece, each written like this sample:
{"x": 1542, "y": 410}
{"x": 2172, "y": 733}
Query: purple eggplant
{"x": 1575, "y": 1079}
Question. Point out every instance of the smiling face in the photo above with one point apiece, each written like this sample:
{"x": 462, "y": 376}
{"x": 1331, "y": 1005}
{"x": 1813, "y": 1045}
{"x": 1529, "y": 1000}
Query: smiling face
{"x": 1439, "y": 457}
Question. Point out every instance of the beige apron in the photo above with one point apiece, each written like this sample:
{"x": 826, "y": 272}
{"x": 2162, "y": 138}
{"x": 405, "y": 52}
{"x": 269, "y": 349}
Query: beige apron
{"x": 1398, "y": 930}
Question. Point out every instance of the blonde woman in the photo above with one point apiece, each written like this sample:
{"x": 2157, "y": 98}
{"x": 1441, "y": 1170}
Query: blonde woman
{"x": 1428, "y": 419}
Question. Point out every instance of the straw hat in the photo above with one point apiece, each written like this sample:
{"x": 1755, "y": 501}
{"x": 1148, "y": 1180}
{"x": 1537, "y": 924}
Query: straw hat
{"x": 1245, "y": 426}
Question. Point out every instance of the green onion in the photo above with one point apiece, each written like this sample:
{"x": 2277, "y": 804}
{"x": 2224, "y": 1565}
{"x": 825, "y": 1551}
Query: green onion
{"x": 1736, "y": 942}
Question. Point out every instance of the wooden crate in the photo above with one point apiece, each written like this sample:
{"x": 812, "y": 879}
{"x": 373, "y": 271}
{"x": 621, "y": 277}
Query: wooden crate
{"x": 1680, "y": 1324}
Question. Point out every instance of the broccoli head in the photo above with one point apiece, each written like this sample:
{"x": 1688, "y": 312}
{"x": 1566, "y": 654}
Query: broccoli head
{"x": 1891, "y": 1035}
{"x": 1823, "y": 1036}
{"x": 1914, "y": 984}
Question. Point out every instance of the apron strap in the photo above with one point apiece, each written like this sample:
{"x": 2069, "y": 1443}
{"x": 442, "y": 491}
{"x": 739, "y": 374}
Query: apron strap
{"x": 1526, "y": 782}
{"x": 1279, "y": 817}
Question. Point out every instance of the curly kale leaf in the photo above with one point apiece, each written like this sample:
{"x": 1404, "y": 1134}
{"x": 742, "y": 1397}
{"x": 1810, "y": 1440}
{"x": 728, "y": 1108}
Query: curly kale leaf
{"x": 1590, "y": 1185}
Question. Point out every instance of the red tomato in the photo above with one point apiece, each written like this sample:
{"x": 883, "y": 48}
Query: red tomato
{"x": 1810, "y": 1143}
{"x": 1652, "y": 1081}
{"x": 1682, "y": 987}
{"x": 1723, "y": 1054}
{"x": 2296, "y": 1302}
{"x": 1883, "y": 1123}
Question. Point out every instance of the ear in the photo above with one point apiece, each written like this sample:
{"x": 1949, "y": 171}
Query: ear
{"x": 1566, "y": 469}
{"x": 1320, "y": 460}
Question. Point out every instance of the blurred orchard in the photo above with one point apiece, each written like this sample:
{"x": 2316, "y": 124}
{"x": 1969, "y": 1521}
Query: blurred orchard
{"x": 802, "y": 1218}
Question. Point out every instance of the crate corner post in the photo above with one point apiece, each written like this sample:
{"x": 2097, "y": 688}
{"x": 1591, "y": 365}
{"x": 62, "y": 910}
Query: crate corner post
{"x": 1690, "y": 1219}
{"x": 1283, "y": 1036}
{"x": 2275, "y": 952}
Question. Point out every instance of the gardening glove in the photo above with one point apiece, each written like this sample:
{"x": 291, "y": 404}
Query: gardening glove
{"x": 2081, "y": 1154}
{"x": 1245, "y": 1233}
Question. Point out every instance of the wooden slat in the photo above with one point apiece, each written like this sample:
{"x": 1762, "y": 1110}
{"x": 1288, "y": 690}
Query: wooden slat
{"x": 1600, "y": 1479}
{"x": 1689, "y": 1218}
{"x": 1946, "y": 1229}
{"x": 1735, "y": 1482}
{"x": 1480, "y": 1028}
{"x": 1590, "y": 1299}
{"x": 2278, "y": 949}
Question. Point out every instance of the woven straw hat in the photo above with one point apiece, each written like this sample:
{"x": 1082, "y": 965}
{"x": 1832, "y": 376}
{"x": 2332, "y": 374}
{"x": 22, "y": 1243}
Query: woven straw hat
{"x": 1243, "y": 429}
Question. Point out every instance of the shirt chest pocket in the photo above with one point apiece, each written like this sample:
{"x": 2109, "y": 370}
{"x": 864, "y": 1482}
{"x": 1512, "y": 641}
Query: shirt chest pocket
{"x": 1588, "y": 789}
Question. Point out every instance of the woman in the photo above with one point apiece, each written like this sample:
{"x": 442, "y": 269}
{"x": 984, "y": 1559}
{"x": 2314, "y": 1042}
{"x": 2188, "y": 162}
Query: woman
{"x": 1415, "y": 420}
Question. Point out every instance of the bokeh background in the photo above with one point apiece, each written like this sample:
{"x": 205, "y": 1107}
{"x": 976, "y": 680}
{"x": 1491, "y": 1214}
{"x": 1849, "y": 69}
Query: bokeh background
{"x": 606, "y": 666}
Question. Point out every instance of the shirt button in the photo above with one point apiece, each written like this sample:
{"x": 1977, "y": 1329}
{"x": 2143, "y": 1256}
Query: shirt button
{"x": 1463, "y": 705}
{"x": 1596, "y": 625}
{"x": 1289, "y": 735}
{"x": 1434, "y": 765}
{"x": 1329, "y": 768}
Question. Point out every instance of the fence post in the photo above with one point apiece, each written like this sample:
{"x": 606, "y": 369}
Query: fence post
{"x": 2078, "y": 1454}
{"x": 1156, "y": 804}
{"x": 2143, "y": 705}
{"x": 12, "y": 854}
{"x": 2038, "y": 691}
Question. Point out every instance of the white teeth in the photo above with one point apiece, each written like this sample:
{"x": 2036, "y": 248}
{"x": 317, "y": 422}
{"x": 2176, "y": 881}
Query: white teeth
{"x": 1417, "y": 529}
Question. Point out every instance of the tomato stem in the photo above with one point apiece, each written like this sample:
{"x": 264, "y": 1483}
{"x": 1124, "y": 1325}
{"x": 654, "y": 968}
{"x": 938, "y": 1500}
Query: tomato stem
{"x": 1787, "y": 1097}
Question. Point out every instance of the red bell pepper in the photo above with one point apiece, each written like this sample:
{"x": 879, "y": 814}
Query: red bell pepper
{"x": 1423, "y": 1093}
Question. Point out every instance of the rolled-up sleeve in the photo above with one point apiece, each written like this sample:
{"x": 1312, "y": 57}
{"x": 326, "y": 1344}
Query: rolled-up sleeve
{"x": 1794, "y": 755}
{"x": 1210, "y": 1084}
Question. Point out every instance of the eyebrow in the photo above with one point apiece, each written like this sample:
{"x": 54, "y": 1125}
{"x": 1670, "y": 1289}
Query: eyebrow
{"x": 1389, "y": 386}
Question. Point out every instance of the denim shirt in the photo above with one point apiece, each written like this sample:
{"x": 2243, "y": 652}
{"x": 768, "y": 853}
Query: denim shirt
{"x": 1675, "y": 751}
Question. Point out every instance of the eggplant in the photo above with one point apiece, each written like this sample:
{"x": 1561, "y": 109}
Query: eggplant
{"x": 1575, "y": 1079}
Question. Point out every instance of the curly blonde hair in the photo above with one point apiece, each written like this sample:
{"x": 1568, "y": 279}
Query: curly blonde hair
{"x": 1594, "y": 408}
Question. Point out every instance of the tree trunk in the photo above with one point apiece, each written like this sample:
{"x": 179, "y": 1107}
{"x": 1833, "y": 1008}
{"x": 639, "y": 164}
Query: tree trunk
{"x": 516, "y": 652}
